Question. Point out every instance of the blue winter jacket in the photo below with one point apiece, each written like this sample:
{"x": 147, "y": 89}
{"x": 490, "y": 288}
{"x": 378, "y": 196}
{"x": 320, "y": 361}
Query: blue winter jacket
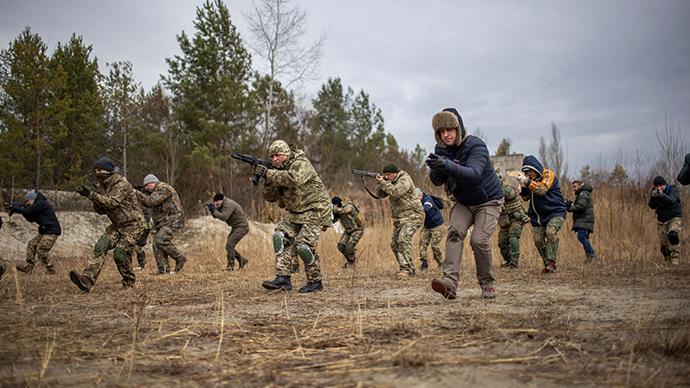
{"x": 41, "y": 213}
{"x": 542, "y": 208}
{"x": 433, "y": 216}
{"x": 468, "y": 172}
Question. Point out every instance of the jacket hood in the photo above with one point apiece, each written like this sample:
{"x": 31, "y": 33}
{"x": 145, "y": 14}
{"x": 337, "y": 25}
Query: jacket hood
{"x": 40, "y": 196}
{"x": 586, "y": 187}
{"x": 532, "y": 163}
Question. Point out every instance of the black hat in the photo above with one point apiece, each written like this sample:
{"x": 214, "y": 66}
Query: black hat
{"x": 391, "y": 168}
{"x": 218, "y": 197}
{"x": 659, "y": 181}
{"x": 337, "y": 201}
{"x": 105, "y": 163}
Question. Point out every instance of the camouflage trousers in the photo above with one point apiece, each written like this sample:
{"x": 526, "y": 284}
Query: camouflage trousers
{"x": 297, "y": 236}
{"x": 139, "y": 248}
{"x": 401, "y": 243}
{"x": 39, "y": 246}
{"x": 669, "y": 250}
{"x": 509, "y": 241}
{"x": 164, "y": 248}
{"x": 348, "y": 244}
{"x": 433, "y": 237}
{"x": 546, "y": 239}
{"x": 122, "y": 242}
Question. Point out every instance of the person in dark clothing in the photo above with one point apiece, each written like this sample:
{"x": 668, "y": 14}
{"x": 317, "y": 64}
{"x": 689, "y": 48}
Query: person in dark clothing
{"x": 37, "y": 209}
{"x": 684, "y": 173}
{"x": 665, "y": 200}
{"x": 2, "y": 266}
{"x": 433, "y": 231}
{"x": 229, "y": 211}
{"x": 583, "y": 216}
{"x": 461, "y": 162}
{"x": 546, "y": 208}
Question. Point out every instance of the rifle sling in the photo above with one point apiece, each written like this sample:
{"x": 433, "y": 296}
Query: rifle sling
{"x": 367, "y": 189}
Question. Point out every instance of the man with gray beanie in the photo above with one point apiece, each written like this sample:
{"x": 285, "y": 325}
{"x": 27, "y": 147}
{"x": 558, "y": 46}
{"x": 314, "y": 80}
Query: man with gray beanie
{"x": 168, "y": 219}
{"x": 37, "y": 209}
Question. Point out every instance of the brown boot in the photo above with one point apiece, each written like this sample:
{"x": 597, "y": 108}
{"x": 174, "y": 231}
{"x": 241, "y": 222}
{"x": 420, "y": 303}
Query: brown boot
{"x": 442, "y": 288}
{"x": 83, "y": 282}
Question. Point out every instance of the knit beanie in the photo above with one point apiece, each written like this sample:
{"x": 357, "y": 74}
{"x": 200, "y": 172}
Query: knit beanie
{"x": 391, "y": 168}
{"x": 659, "y": 181}
{"x": 150, "y": 179}
{"x": 218, "y": 197}
{"x": 105, "y": 163}
{"x": 337, "y": 201}
{"x": 30, "y": 196}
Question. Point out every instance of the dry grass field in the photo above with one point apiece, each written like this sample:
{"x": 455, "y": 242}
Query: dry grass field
{"x": 624, "y": 320}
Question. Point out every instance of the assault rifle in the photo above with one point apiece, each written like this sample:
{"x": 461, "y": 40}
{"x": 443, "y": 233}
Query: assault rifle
{"x": 366, "y": 174}
{"x": 254, "y": 161}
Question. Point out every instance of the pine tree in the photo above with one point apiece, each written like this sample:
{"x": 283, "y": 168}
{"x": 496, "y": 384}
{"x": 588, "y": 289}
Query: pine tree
{"x": 503, "y": 148}
{"x": 330, "y": 147}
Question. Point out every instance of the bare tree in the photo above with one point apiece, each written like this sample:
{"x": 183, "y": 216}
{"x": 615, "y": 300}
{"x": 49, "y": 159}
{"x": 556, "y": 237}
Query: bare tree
{"x": 277, "y": 29}
{"x": 552, "y": 154}
{"x": 672, "y": 149}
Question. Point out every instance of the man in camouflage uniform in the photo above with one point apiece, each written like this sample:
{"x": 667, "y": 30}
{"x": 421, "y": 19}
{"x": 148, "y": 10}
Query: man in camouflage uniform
{"x": 297, "y": 188}
{"x": 513, "y": 217}
{"x": 433, "y": 231}
{"x": 407, "y": 213}
{"x": 353, "y": 223}
{"x": 113, "y": 196}
{"x": 225, "y": 209}
{"x": 168, "y": 219}
{"x": 141, "y": 244}
{"x": 665, "y": 200}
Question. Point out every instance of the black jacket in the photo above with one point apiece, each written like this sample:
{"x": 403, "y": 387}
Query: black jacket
{"x": 583, "y": 209}
{"x": 468, "y": 174}
{"x": 667, "y": 205}
{"x": 684, "y": 174}
{"x": 41, "y": 213}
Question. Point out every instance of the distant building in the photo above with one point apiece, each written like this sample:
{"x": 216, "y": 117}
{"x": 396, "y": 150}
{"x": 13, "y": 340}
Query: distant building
{"x": 504, "y": 164}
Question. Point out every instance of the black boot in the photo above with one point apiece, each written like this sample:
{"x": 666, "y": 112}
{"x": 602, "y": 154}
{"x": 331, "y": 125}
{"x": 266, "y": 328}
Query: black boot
{"x": 179, "y": 263}
{"x": 311, "y": 287}
{"x": 279, "y": 283}
{"x": 243, "y": 262}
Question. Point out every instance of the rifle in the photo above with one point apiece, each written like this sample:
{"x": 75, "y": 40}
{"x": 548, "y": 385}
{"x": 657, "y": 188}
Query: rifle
{"x": 366, "y": 174}
{"x": 254, "y": 161}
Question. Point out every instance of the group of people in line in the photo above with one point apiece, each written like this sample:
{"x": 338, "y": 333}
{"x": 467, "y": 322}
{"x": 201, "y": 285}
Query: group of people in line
{"x": 479, "y": 197}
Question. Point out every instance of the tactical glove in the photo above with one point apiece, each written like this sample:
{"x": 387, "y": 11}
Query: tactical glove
{"x": 656, "y": 193}
{"x": 211, "y": 207}
{"x": 83, "y": 190}
{"x": 523, "y": 180}
{"x": 435, "y": 161}
{"x": 260, "y": 170}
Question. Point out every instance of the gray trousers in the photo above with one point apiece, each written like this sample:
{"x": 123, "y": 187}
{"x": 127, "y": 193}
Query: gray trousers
{"x": 484, "y": 217}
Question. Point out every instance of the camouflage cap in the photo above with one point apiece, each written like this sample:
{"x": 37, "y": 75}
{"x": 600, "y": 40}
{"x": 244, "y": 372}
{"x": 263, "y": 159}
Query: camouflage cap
{"x": 279, "y": 147}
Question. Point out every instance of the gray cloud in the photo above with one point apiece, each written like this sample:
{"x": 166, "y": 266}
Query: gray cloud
{"x": 604, "y": 71}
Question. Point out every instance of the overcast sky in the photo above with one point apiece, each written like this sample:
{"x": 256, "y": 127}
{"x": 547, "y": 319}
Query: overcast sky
{"x": 604, "y": 71}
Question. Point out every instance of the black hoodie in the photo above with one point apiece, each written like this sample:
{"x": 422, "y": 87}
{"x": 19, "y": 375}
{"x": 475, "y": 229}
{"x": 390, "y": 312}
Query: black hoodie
{"x": 41, "y": 213}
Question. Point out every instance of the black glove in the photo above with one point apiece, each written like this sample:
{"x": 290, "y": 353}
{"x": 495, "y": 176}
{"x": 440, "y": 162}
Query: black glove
{"x": 435, "y": 161}
{"x": 83, "y": 190}
{"x": 260, "y": 170}
{"x": 656, "y": 193}
{"x": 211, "y": 207}
{"x": 568, "y": 204}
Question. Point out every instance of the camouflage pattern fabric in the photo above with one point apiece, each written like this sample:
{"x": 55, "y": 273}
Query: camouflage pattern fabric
{"x": 401, "y": 242}
{"x": 164, "y": 248}
{"x": 405, "y": 204}
{"x": 348, "y": 244}
{"x": 347, "y": 214}
{"x": 115, "y": 198}
{"x": 670, "y": 251}
{"x": 121, "y": 241}
{"x": 39, "y": 246}
{"x": 546, "y": 239}
{"x": 165, "y": 205}
{"x": 431, "y": 237}
{"x": 296, "y": 234}
{"x": 509, "y": 238}
{"x": 298, "y": 189}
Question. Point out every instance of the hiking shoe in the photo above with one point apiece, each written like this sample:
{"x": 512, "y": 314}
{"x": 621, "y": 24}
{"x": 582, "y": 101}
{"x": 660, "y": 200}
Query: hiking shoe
{"x": 179, "y": 264}
{"x": 488, "y": 292}
{"x": 243, "y": 262}
{"x": 424, "y": 266}
{"x": 441, "y": 287}
{"x": 279, "y": 283}
{"x": 83, "y": 282}
{"x": 311, "y": 287}
{"x": 26, "y": 268}
{"x": 550, "y": 268}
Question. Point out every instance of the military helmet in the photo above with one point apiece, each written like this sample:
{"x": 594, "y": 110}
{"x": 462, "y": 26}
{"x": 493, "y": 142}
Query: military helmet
{"x": 279, "y": 147}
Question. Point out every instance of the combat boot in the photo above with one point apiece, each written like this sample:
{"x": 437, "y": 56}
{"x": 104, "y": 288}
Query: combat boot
{"x": 550, "y": 268}
{"x": 311, "y": 287}
{"x": 83, "y": 282}
{"x": 179, "y": 263}
{"x": 279, "y": 283}
{"x": 488, "y": 292}
{"x": 26, "y": 268}
{"x": 243, "y": 261}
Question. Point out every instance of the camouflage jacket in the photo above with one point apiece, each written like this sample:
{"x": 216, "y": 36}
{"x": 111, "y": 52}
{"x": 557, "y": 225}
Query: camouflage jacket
{"x": 405, "y": 204}
{"x": 232, "y": 213}
{"x": 513, "y": 201}
{"x": 298, "y": 189}
{"x": 166, "y": 208}
{"x": 347, "y": 214}
{"x": 115, "y": 198}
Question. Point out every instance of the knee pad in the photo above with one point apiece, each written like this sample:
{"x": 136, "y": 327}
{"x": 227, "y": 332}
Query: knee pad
{"x": 305, "y": 254}
{"x": 120, "y": 255}
{"x": 278, "y": 242}
{"x": 673, "y": 237}
{"x": 101, "y": 247}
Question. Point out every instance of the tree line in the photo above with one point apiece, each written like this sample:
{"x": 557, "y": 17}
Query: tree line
{"x": 59, "y": 113}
